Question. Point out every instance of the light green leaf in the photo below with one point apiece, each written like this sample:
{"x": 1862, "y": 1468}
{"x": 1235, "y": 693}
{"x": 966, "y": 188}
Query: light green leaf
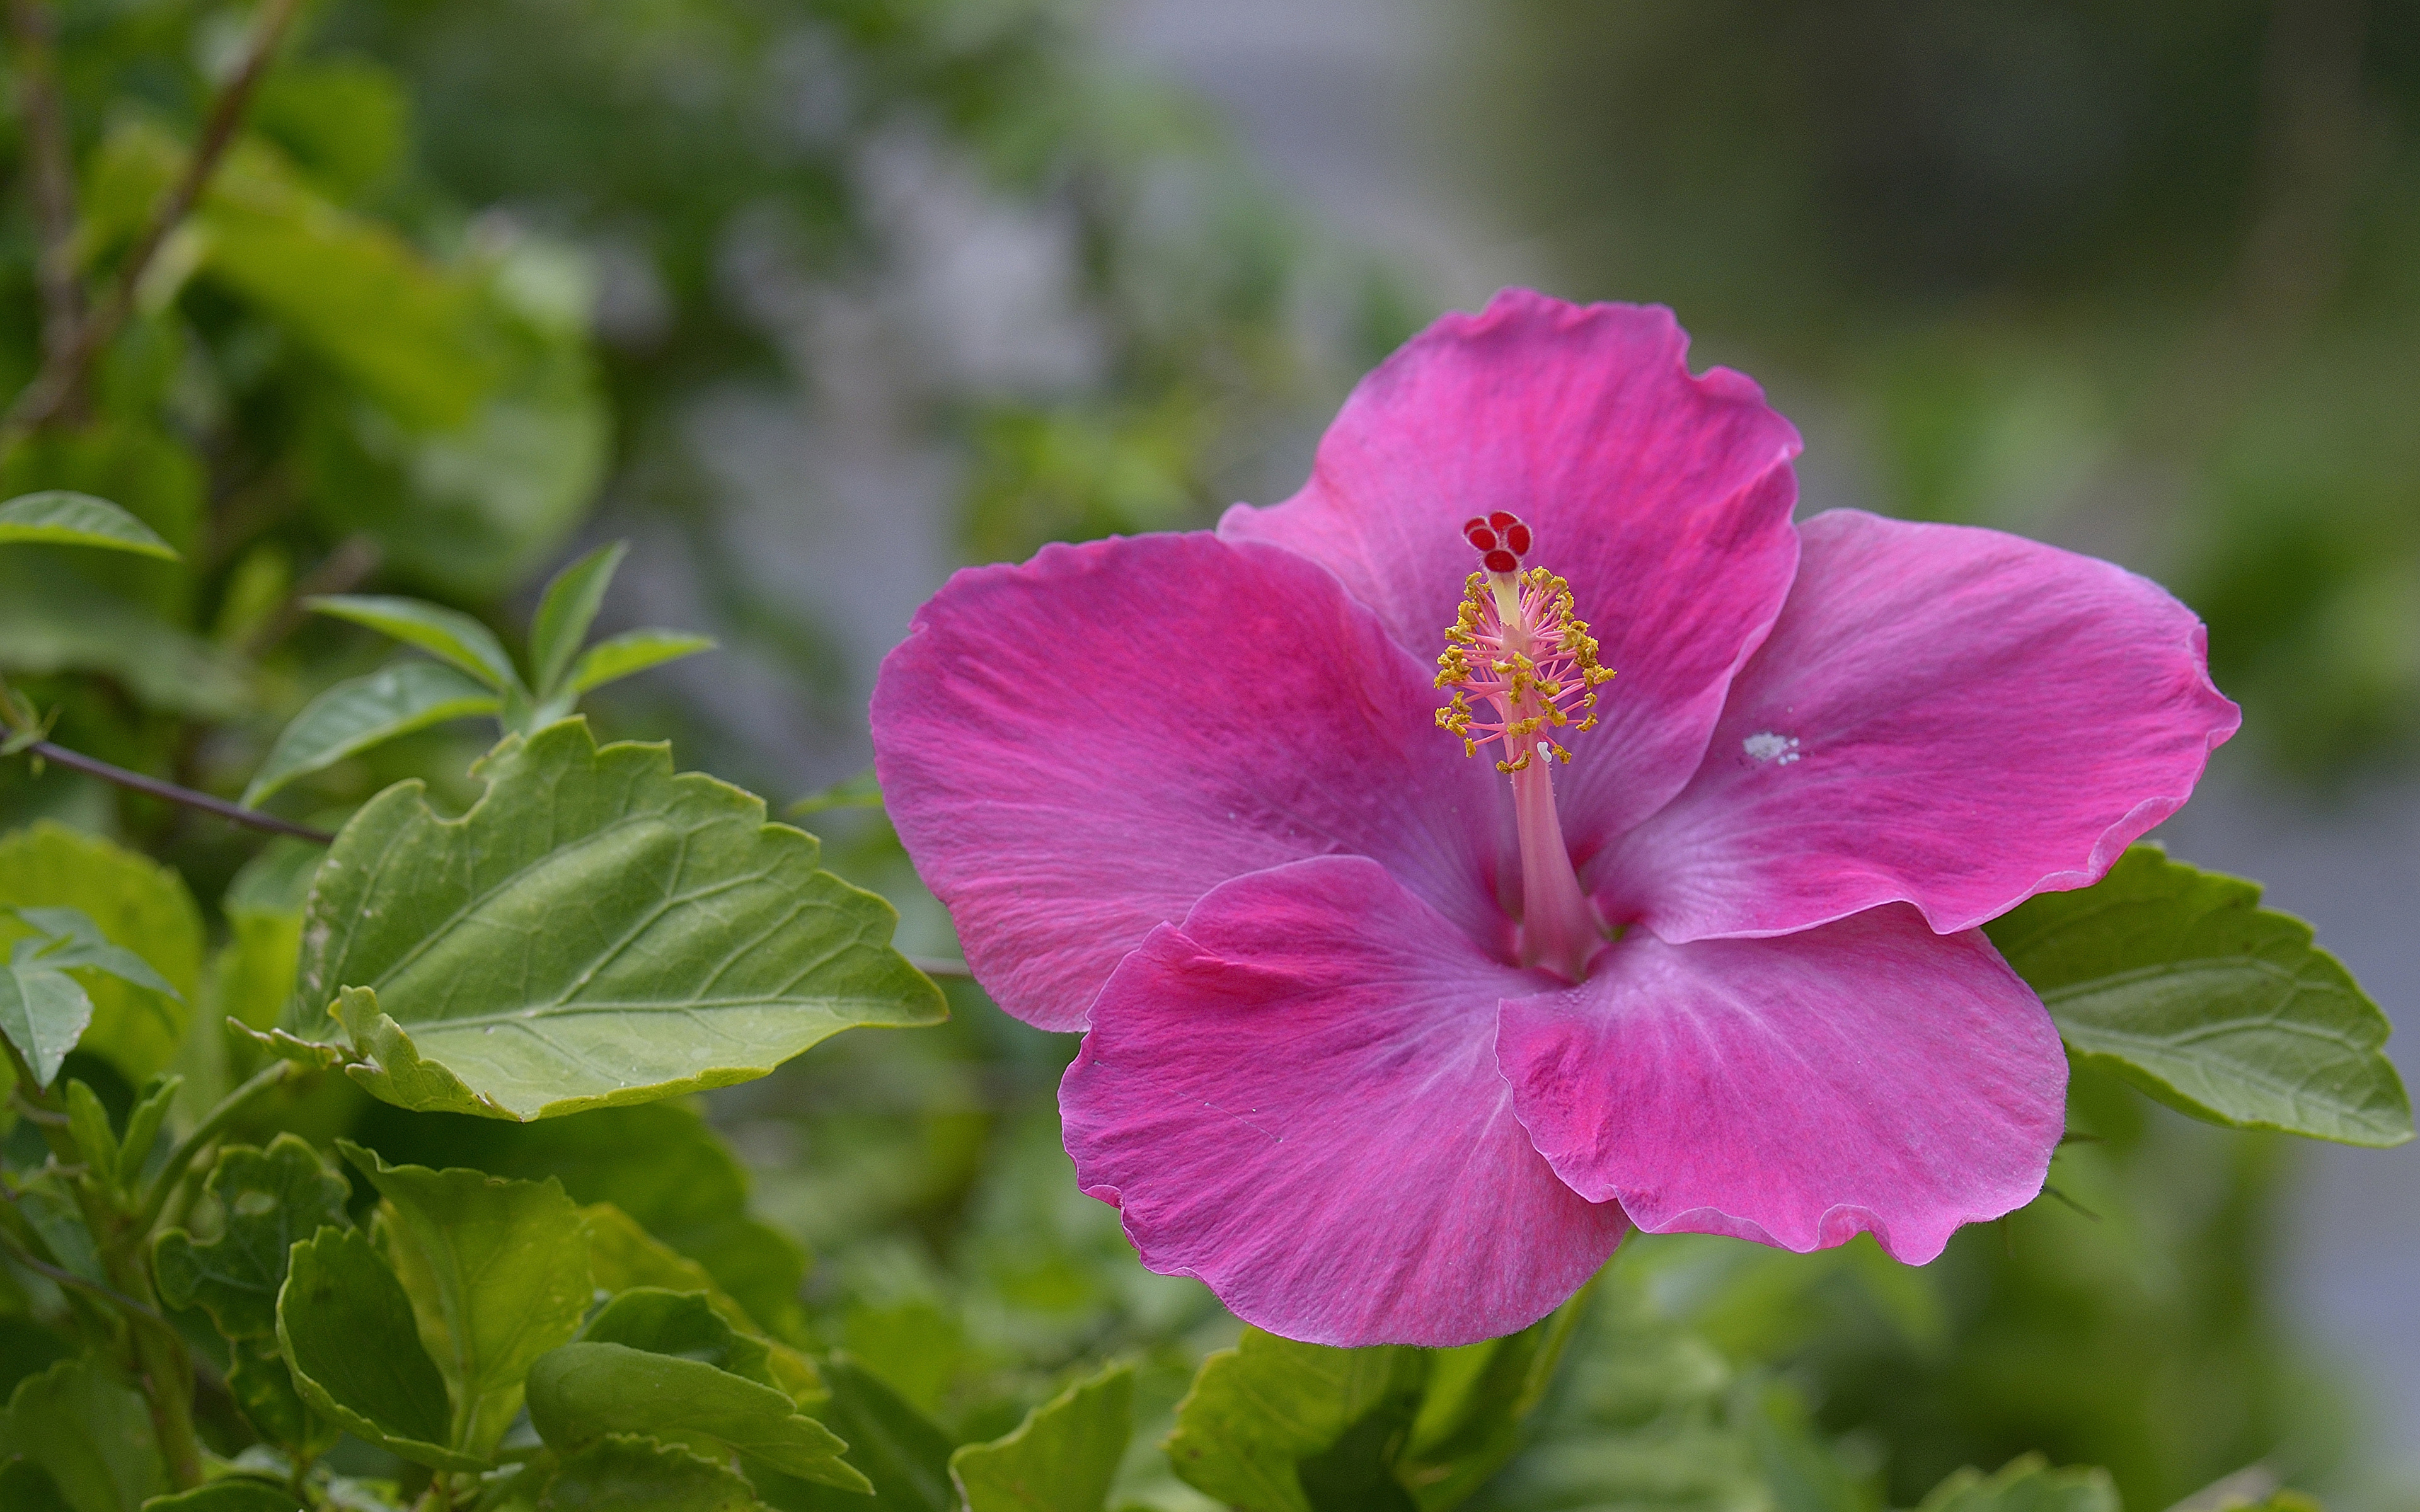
{"x": 594, "y": 931}
{"x": 143, "y": 1124}
{"x": 1060, "y": 1459}
{"x": 583, "y": 1392}
{"x": 360, "y": 712}
{"x": 567, "y": 611}
{"x": 661, "y": 1321}
{"x": 901, "y": 1453}
{"x": 64, "y": 518}
{"x": 1257, "y": 1412}
{"x": 43, "y": 1013}
{"x": 236, "y": 1493}
{"x": 92, "y": 1432}
{"x": 2180, "y": 982}
{"x": 621, "y": 1470}
{"x": 138, "y": 905}
{"x": 657, "y": 1162}
{"x": 269, "y": 1200}
{"x": 89, "y": 1125}
{"x": 253, "y": 974}
{"x": 2025, "y": 1484}
{"x": 498, "y": 1275}
{"x": 345, "y": 1328}
{"x": 449, "y": 635}
{"x": 73, "y": 942}
{"x": 632, "y": 651}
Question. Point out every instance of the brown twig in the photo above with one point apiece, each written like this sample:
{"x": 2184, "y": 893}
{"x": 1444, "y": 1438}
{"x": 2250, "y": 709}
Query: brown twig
{"x": 170, "y": 793}
{"x": 63, "y": 374}
{"x": 51, "y": 180}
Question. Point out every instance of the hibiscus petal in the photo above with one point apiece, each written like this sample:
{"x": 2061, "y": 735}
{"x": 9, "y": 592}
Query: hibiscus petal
{"x": 1295, "y": 1097}
{"x": 1075, "y": 749}
{"x": 1665, "y": 500}
{"x": 1946, "y": 715}
{"x": 1867, "y": 1075}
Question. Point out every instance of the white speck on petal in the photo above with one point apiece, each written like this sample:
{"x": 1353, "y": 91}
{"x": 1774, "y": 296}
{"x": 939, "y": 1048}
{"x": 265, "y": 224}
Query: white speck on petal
{"x": 1768, "y": 747}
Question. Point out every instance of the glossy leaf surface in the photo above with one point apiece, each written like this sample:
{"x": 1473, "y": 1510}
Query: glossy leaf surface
{"x": 621, "y": 1470}
{"x": 360, "y": 712}
{"x": 449, "y": 635}
{"x": 583, "y": 1392}
{"x": 346, "y": 1330}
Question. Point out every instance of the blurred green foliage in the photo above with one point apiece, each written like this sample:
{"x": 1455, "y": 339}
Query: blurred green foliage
{"x": 2138, "y": 278}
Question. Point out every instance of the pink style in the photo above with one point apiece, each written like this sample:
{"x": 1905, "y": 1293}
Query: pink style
{"x": 1392, "y": 1030}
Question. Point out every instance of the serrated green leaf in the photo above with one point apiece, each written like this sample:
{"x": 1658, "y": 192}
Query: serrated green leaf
{"x": 631, "y": 652}
{"x": 138, "y": 905}
{"x": 2176, "y": 979}
{"x": 1060, "y": 1459}
{"x": 269, "y": 1199}
{"x": 583, "y": 1392}
{"x": 359, "y": 713}
{"x": 594, "y": 931}
{"x": 235, "y": 1493}
{"x": 621, "y": 1470}
{"x": 657, "y": 1162}
{"x": 498, "y": 1275}
{"x": 449, "y": 635}
{"x": 346, "y": 1330}
{"x": 2025, "y": 1484}
{"x": 91, "y": 1431}
{"x": 569, "y": 607}
{"x": 1257, "y": 1411}
{"x": 64, "y": 518}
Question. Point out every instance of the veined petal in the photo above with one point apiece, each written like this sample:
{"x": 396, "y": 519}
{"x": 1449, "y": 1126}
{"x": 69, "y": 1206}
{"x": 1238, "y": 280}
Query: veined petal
{"x": 1078, "y": 748}
{"x": 1870, "y": 1075}
{"x": 1295, "y": 1097}
{"x": 1664, "y": 499}
{"x": 1946, "y": 716}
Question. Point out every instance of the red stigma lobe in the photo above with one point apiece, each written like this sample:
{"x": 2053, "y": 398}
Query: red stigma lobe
{"x": 1501, "y": 539}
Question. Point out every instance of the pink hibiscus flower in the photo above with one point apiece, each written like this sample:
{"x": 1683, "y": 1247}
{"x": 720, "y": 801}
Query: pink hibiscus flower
{"x": 1390, "y": 1043}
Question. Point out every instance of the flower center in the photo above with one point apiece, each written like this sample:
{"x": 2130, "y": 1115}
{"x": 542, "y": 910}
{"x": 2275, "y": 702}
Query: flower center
{"x": 1517, "y": 648}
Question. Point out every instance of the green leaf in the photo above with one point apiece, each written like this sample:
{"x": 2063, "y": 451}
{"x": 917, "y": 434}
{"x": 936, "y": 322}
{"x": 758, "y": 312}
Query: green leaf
{"x": 360, "y": 712}
{"x": 91, "y": 1431}
{"x": 904, "y": 1457}
{"x": 26, "y": 1487}
{"x": 583, "y": 1392}
{"x": 1260, "y": 1409}
{"x": 44, "y": 1014}
{"x": 680, "y": 1322}
{"x": 64, "y": 518}
{"x": 631, "y": 652}
{"x": 143, "y": 1128}
{"x": 2025, "y": 1484}
{"x": 137, "y": 905}
{"x": 253, "y": 974}
{"x": 345, "y": 1328}
{"x": 1474, "y": 1401}
{"x": 236, "y": 1493}
{"x": 269, "y": 1200}
{"x": 1060, "y": 1459}
{"x": 623, "y": 1255}
{"x": 498, "y": 1273}
{"x": 2180, "y": 982}
{"x": 620, "y": 1470}
{"x": 449, "y": 635}
{"x": 264, "y": 1390}
{"x": 657, "y": 1162}
{"x": 594, "y": 931}
{"x": 89, "y": 1124}
{"x": 567, "y": 611}
{"x": 53, "y": 620}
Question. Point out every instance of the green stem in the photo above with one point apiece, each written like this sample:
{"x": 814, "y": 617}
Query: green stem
{"x": 155, "y": 1198}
